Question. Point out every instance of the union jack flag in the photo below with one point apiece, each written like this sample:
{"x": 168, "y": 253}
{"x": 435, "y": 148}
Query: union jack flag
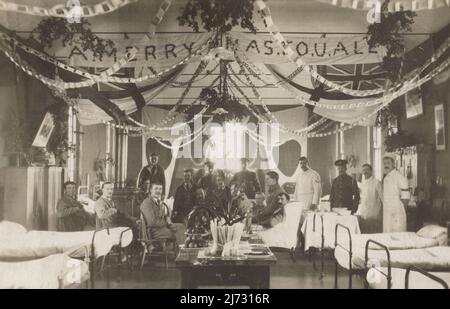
{"x": 354, "y": 76}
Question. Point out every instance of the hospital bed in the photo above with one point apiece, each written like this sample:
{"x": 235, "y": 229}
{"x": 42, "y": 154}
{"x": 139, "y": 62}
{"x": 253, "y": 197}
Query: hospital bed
{"x": 410, "y": 278}
{"x": 18, "y": 244}
{"x": 57, "y": 271}
{"x": 353, "y": 252}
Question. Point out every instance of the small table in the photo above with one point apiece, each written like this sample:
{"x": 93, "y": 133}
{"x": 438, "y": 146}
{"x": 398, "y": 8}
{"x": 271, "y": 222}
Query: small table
{"x": 318, "y": 230}
{"x": 248, "y": 270}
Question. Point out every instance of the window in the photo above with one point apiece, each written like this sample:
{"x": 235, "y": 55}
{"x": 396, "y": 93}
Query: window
{"x": 340, "y": 143}
{"x": 226, "y": 146}
{"x": 377, "y": 144}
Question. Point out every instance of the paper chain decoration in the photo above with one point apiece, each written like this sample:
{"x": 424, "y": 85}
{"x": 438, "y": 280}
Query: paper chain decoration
{"x": 393, "y": 6}
{"x": 289, "y": 53}
{"x": 64, "y": 10}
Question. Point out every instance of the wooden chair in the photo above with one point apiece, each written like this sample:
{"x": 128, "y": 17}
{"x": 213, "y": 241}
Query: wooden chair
{"x": 147, "y": 242}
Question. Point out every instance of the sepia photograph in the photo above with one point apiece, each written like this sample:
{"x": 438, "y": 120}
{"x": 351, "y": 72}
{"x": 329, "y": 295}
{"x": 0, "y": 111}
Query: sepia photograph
{"x": 227, "y": 152}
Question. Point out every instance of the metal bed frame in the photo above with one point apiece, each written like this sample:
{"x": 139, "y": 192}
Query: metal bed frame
{"x": 351, "y": 271}
{"x": 388, "y": 254}
{"x": 91, "y": 259}
{"x": 424, "y": 273}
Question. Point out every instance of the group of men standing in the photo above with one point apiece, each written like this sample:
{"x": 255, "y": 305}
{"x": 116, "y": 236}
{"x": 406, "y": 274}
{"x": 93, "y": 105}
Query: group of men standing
{"x": 381, "y": 206}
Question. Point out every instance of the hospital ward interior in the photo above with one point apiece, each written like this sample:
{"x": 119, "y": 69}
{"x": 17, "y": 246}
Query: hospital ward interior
{"x": 190, "y": 144}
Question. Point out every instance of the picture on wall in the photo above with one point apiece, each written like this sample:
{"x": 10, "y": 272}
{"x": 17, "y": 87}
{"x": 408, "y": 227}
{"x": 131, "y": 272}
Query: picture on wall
{"x": 439, "y": 122}
{"x": 413, "y": 102}
{"x": 44, "y": 132}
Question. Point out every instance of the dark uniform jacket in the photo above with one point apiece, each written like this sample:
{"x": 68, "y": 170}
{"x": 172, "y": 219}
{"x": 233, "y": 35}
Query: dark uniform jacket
{"x": 71, "y": 215}
{"x": 272, "y": 214}
{"x": 249, "y": 180}
{"x": 183, "y": 202}
{"x": 153, "y": 173}
{"x": 344, "y": 193}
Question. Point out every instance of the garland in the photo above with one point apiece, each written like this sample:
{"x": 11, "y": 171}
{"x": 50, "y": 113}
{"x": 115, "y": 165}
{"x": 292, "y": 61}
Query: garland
{"x": 389, "y": 34}
{"x": 288, "y": 51}
{"x": 105, "y": 76}
{"x": 394, "y": 6}
{"x": 62, "y": 10}
{"x": 411, "y": 84}
{"x": 220, "y": 15}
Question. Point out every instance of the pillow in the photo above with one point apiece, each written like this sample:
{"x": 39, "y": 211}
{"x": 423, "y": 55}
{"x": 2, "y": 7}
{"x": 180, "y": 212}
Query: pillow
{"x": 11, "y": 229}
{"x": 433, "y": 231}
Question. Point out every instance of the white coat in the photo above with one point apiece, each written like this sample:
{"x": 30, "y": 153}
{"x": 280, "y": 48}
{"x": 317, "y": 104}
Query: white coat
{"x": 395, "y": 188}
{"x": 308, "y": 188}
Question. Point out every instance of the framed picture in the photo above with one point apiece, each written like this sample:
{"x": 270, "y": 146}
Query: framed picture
{"x": 413, "y": 102}
{"x": 44, "y": 132}
{"x": 439, "y": 123}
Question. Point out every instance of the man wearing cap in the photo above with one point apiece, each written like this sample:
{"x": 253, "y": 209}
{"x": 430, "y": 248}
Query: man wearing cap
{"x": 344, "y": 189}
{"x": 308, "y": 188}
{"x": 153, "y": 172}
{"x": 247, "y": 179}
{"x": 396, "y": 196}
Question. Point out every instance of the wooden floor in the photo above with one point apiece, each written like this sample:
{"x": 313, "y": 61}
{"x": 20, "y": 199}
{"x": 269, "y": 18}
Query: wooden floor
{"x": 284, "y": 275}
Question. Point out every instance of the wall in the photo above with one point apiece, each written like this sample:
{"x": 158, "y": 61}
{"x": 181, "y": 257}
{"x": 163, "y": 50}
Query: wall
{"x": 423, "y": 128}
{"x": 8, "y": 100}
{"x": 355, "y": 143}
{"x": 93, "y": 147}
{"x": 321, "y": 155}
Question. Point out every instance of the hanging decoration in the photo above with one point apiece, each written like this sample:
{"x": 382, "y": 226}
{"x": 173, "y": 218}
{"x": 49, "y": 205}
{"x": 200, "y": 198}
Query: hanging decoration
{"x": 53, "y": 29}
{"x": 412, "y": 83}
{"x": 393, "y": 6}
{"x": 90, "y": 43}
{"x": 71, "y": 9}
{"x": 389, "y": 33}
{"x": 106, "y": 75}
{"x": 218, "y": 14}
{"x": 288, "y": 51}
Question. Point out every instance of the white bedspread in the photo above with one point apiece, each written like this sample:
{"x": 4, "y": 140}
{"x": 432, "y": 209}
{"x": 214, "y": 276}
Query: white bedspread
{"x": 394, "y": 241}
{"x": 312, "y": 228}
{"x": 52, "y": 272}
{"x": 284, "y": 234}
{"x": 434, "y": 258}
{"x": 416, "y": 280}
{"x": 36, "y": 244}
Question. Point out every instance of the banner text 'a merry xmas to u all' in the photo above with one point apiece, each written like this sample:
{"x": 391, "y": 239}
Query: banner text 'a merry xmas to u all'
{"x": 165, "y": 50}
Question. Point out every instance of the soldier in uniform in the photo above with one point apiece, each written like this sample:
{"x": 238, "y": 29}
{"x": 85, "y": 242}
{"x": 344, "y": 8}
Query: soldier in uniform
{"x": 247, "y": 179}
{"x": 344, "y": 189}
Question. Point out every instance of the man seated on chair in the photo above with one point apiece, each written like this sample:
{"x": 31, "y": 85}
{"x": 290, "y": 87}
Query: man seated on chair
{"x": 274, "y": 190}
{"x": 156, "y": 214}
{"x": 71, "y": 214}
{"x": 275, "y": 214}
{"x": 108, "y": 216}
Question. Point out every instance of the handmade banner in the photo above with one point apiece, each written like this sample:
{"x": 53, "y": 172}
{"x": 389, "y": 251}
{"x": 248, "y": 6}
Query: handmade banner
{"x": 163, "y": 50}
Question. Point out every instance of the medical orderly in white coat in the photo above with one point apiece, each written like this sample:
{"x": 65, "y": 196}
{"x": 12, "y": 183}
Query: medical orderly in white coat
{"x": 396, "y": 196}
{"x": 308, "y": 188}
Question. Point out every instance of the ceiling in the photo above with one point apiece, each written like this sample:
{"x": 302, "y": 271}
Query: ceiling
{"x": 289, "y": 15}
{"x": 304, "y": 16}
